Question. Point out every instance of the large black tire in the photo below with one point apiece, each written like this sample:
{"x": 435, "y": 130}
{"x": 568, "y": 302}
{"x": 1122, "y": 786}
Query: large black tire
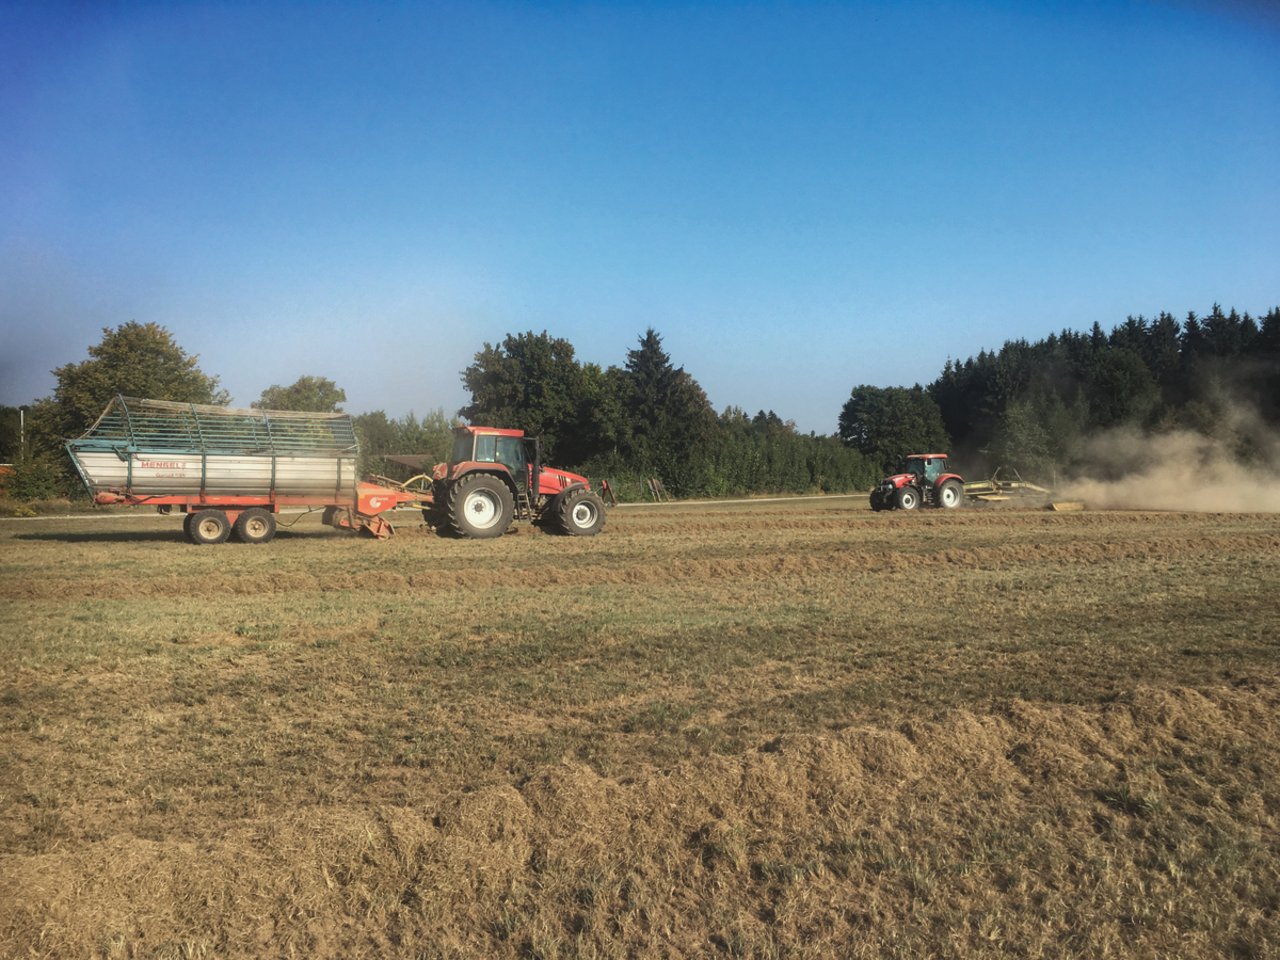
{"x": 208, "y": 526}
{"x": 580, "y": 514}
{"x": 437, "y": 516}
{"x": 255, "y": 525}
{"x": 877, "y": 501}
{"x": 950, "y": 495}
{"x": 907, "y": 497}
{"x": 480, "y": 507}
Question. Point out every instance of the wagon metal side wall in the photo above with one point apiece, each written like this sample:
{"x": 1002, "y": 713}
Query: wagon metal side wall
{"x": 152, "y": 449}
{"x": 146, "y": 474}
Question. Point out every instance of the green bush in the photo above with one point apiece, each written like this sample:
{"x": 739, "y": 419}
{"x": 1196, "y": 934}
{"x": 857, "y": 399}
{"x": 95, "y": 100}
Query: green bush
{"x": 36, "y": 479}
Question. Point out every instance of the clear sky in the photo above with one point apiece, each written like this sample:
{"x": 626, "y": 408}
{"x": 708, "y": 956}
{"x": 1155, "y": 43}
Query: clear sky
{"x": 800, "y": 197}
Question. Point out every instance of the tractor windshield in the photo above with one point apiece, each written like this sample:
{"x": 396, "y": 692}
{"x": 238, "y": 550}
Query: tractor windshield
{"x": 925, "y": 468}
{"x": 463, "y": 443}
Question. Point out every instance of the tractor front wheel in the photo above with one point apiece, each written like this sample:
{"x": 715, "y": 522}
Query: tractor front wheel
{"x": 480, "y": 506}
{"x": 907, "y": 498}
{"x": 581, "y": 513}
{"x": 950, "y": 495}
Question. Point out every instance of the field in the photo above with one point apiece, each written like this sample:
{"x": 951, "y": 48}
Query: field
{"x": 791, "y": 729}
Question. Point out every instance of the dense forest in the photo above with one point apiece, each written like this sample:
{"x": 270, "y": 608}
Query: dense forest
{"x": 1029, "y": 406}
{"x": 1032, "y": 405}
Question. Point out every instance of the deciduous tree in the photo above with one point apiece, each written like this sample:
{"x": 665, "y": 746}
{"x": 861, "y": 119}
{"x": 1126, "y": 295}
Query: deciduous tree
{"x": 530, "y": 382}
{"x": 313, "y": 394}
{"x": 886, "y": 423}
{"x": 135, "y": 359}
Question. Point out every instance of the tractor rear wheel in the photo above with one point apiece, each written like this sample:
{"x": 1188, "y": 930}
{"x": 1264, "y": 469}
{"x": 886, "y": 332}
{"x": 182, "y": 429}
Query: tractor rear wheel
{"x": 907, "y": 497}
{"x": 581, "y": 513}
{"x": 435, "y": 517}
{"x": 480, "y": 506}
{"x": 255, "y": 525}
{"x": 208, "y": 526}
{"x": 950, "y": 495}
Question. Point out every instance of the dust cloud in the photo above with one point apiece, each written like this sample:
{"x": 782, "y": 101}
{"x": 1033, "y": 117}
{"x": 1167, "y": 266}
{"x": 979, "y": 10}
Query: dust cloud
{"x": 1236, "y": 471}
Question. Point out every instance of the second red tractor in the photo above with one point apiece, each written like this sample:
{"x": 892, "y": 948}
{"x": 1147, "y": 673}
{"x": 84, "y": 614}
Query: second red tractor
{"x": 925, "y": 480}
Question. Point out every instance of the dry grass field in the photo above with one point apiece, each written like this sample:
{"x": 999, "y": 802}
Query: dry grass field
{"x": 769, "y": 730}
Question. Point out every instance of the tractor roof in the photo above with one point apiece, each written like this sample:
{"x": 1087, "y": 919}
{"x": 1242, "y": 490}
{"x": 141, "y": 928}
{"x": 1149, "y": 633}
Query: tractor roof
{"x": 491, "y": 431}
{"x": 927, "y": 456}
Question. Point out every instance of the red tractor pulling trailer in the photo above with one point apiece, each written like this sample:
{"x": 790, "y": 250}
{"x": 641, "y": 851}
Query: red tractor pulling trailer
{"x": 231, "y": 471}
{"x": 494, "y": 477}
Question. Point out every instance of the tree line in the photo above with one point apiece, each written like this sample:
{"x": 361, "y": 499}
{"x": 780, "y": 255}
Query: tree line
{"x": 1027, "y": 405}
{"x": 1032, "y": 405}
{"x": 649, "y": 418}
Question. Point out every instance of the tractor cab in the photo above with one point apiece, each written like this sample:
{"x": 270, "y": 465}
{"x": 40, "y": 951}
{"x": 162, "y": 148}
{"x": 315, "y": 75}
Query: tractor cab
{"x": 506, "y": 448}
{"x": 927, "y": 467}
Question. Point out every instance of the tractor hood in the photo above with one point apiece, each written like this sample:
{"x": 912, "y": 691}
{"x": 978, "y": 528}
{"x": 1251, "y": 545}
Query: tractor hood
{"x": 554, "y": 481}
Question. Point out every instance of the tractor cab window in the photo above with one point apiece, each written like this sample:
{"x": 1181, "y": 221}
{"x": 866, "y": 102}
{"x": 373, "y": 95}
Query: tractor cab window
{"x": 915, "y": 467}
{"x": 932, "y": 469}
{"x": 463, "y": 447}
{"x": 510, "y": 453}
{"x": 486, "y": 449}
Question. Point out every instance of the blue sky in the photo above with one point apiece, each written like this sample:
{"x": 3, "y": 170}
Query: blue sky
{"x": 800, "y": 197}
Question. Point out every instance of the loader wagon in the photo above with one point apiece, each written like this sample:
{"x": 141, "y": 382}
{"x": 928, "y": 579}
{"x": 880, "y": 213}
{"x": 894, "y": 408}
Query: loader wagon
{"x": 230, "y": 471}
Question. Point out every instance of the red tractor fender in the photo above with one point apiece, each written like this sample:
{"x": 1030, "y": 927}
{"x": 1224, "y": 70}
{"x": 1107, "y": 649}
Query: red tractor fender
{"x": 466, "y": 468}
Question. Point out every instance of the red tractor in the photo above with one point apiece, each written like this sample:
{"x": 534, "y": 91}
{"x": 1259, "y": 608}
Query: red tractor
{"x": 496, "y": 476}
{"x": 924, "y": 479}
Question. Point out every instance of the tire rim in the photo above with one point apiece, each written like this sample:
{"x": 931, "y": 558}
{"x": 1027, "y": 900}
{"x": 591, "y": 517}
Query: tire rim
{"x": 256, "y": 528}
{"x": 209, "y": 529}
{"x": 482, "y": 509}
{"x": 583, "y": 515}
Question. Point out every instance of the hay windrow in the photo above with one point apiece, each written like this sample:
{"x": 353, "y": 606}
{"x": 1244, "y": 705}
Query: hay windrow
{"x": 960, "y": 815}
{"x": 757, "y": 565}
